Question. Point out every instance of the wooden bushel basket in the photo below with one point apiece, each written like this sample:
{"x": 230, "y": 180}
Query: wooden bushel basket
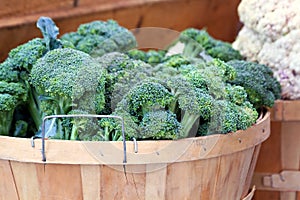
{"x": 277, "y": 174}
{"x": 212, "y": 167}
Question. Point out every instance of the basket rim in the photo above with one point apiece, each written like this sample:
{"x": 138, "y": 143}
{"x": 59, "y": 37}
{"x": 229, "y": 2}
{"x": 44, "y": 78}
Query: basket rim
{"x": 149, "y": 151}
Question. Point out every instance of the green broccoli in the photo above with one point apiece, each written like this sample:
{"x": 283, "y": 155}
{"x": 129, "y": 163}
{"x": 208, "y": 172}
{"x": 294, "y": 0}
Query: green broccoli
{"x": 152, "y": 57}
{"x": 170, "y": 66}
{"x": 137, "y": 54}
{"x": 17, "y": 68}
{"x": 258, "y": 80}
{"x": 148, "y": 96}
{"x": 160, "y": 124}
{"x": 190, "y": 102}
{"x": 141, "y": 100}
{"x": 65, "y": 84}
{"x": 79, "y": 127}
{"x": 113, "y": 128}
{"x": 99, "y": 37}
{"x": 130, "y": 77}
{"x": 247, "y": 115}
{"x": 199, "y": 41}
{"x": 236, "y": 94}
{"x": 14, "y": 73}
{"x": 123, "y": 73}
{"x": 12, "y": 95}
{"x": 7, "y": 106}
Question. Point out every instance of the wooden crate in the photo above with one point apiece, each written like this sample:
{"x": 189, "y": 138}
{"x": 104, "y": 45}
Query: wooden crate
{"x": 277, "y": 174}
{"x": 212, "y": 167}
{"x": 18, "y": 18}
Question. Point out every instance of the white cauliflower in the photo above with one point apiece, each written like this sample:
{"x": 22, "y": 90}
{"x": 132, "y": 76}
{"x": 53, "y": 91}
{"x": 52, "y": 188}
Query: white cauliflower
{"x": 249, "y": 43}
{"x": 272, "y": 18}
{"x": 271, "y": 36}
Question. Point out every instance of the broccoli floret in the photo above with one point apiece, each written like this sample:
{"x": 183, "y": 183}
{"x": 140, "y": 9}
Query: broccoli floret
{"x": 17, "y": 67}
{"x": 247, "y": 115}
{"x": 199, "y": 41}
{"x": 7, "y": 106}
{"x": 258, "y": 80}
{"x": 12, "y": 95}
{"x": 130, "y": 77}
{"x": 175, "y": 61}
{"x": 148, "y": 96}
{"x": 24, "y": 56}
{"x": 137, "y": 54}
{"x": 160, "y": 124}
{"x": 236, "y": 94}
{"x": 224, "y": 119}
{"x": 152, "y": 57}
{"x": 170, "y": 66}
{"x": 74, "y": 83}
{"x": 227, "y": 116}
{"x": 191, "y": 47}
{"x": 99, "y": 37}
{"x": 116, "y": 64}
{"x": 224, "y": 51}
{"x": 131, "y": 123}
{"x": 190, "y": 102}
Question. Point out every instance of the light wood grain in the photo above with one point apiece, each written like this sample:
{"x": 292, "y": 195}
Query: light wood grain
{"x": 279, "y": 152}
{"x": 212, "y": 167}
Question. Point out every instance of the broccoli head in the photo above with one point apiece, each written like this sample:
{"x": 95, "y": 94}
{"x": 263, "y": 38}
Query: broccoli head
{"x": 160, "y": 124}
{"x": 148, "y": 96}
{"x": 197, "y": 41}
{"x": 261, "y": 86}
{"x": 67, "y": 79}
{"x": 77, "y": 81}
{"x": 99, "y": 37}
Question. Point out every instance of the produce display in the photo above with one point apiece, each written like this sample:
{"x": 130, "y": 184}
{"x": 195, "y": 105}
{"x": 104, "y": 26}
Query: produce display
{"x": 270, "y": 36}
{"x": 208, "y": 88}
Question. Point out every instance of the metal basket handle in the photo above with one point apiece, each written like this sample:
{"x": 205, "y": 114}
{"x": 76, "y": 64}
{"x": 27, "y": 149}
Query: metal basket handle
{"x": 82, "y": 115}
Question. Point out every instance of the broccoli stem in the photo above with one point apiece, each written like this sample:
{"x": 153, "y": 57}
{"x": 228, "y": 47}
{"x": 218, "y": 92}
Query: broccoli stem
{"x": 187, "y": 123}
{"x": 34, "y": 108}
{"x": 106, "y": 134}
{"x": 192, "y": 49}
{"x": 6, "y": 122}
{"x": 74, "y": 133}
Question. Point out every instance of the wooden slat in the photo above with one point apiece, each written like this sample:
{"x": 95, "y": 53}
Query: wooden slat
{"x": 251, "y": 170}
{"x": 286, "y": 110}
{"x": 280, "y": 151}
{"x": 234, "y": 171}
{"x": 156, "y": 182}
{"x": 290, "y": 150}
{"x": 58, "y": 181}
{"x": 190, "y": 173}
{"x": 90, "y": 175}
{"x": 115, "y": 184}
{"x": 7, "y": 182}
{"x": 10, "y": 8}
{"x": 26, "y": 180}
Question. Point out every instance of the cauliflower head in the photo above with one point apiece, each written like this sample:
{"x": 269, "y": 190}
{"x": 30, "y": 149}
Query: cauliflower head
{"x": 271, "y": 36}
{"x": 272, "y": 18}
